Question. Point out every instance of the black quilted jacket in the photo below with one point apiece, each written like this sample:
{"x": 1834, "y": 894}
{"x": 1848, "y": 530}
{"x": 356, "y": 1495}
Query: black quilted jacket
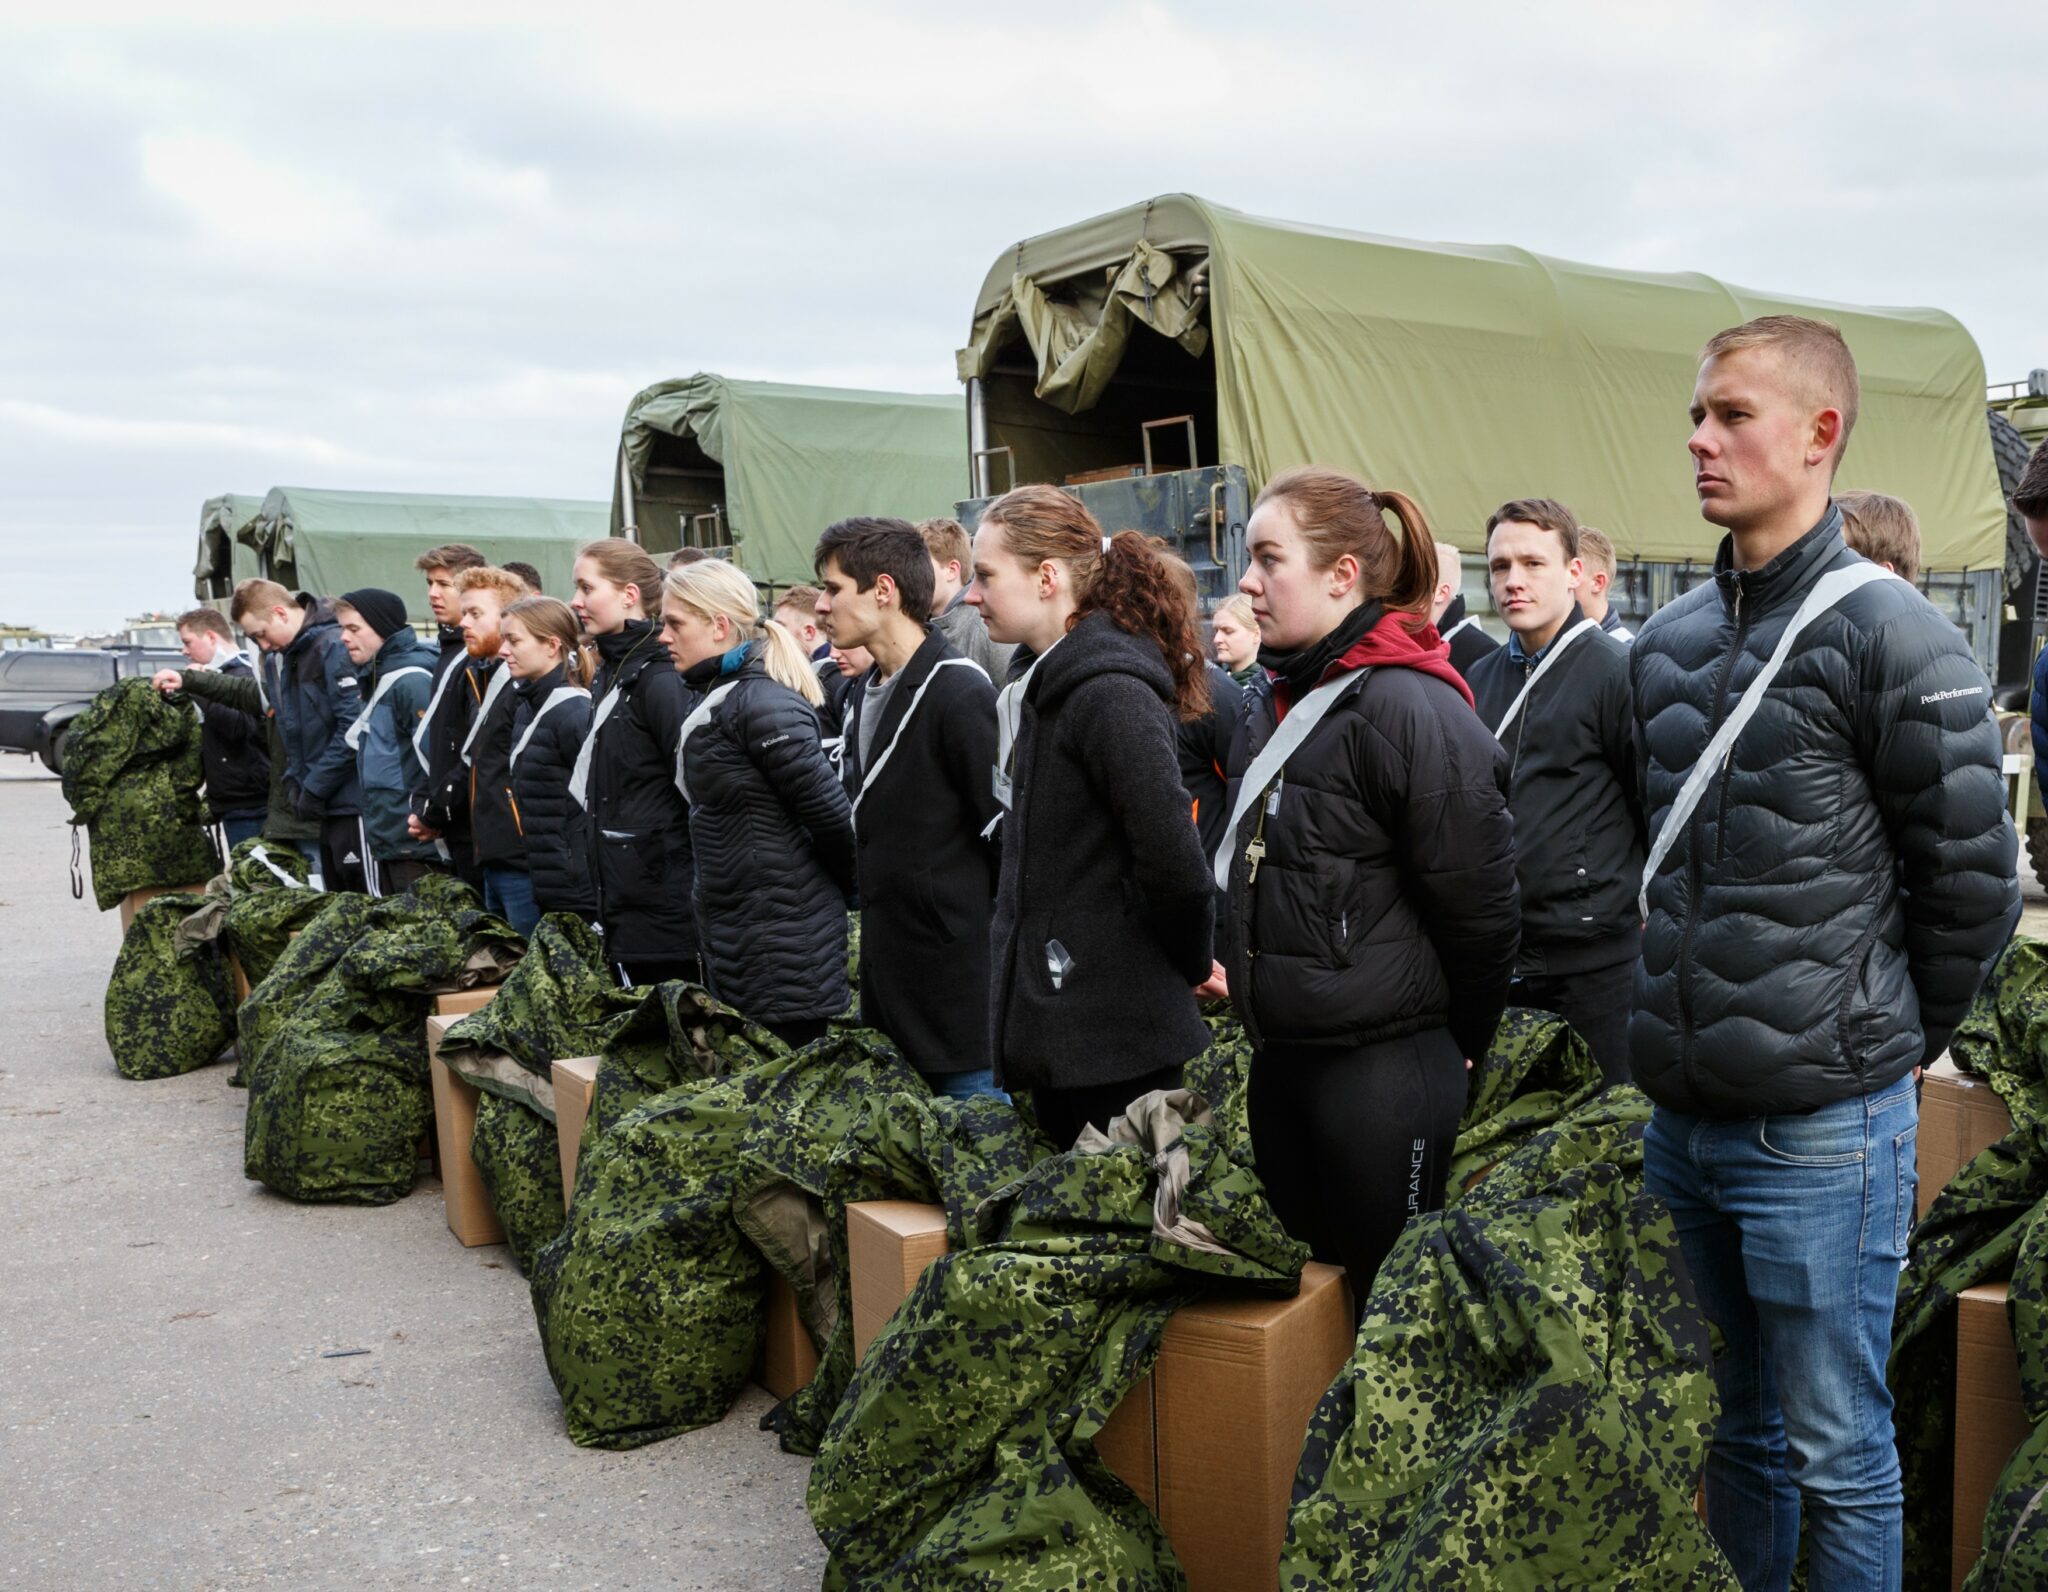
{"x": 555, "y": 828}
{"x": 1848, "y": 877}
{"x": 773, "y": 835}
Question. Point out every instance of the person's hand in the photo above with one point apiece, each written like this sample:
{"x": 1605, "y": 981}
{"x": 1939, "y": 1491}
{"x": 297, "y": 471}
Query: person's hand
{"x": 1468, "y": 1063}
{"x": 167, "y": 681}
{"x": 1216, "y": 986}
{"x": 418, "y": 830}
{"x": 305, "y": 806}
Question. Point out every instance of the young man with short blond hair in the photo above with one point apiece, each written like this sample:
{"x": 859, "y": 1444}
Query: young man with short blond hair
{"x": 1556, "y": 696}
{"x": 312, "y": 690}
{"x": 1831, "y": 876}
{"x": 440, "y": 735}
{"x": 1883, "y": 529}
{"x": 952, "y": 555}
{"x": 1596, "y": 553}
{"x": 1460, "y": 630}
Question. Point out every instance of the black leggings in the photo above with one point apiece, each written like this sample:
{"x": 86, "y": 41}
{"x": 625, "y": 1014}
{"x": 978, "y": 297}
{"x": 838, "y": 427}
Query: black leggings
{"x": 1062, "y": 1113}
{"x": 800, "y": 1031}
{"x": 1351, "y": 1143}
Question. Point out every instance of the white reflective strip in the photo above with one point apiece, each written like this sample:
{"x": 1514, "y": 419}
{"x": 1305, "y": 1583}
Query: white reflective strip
{"x": 1557, "y": 649}
{"x": 1462, "y": 625}
{"x": 867, "y": 776}
{"x": 579, "y": 776}
{"x": 699, "y": 717}
{"x": 419, "y": 736}
{"x": 483, "y": 711}
{"x": 1830, "y": 589}
{"x": 354, "y": 734}
{"x": 1266, "y": 767}
{"x": 561, "y": 693}
{"x": 259, "y": 854}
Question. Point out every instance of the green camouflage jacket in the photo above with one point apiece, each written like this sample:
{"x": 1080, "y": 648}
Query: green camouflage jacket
{"x": 1531, "y": 1398}
{"x": 334, "y": 1039}
{"x": 132, "y": 777}
{"x": 1986, "y": 1226}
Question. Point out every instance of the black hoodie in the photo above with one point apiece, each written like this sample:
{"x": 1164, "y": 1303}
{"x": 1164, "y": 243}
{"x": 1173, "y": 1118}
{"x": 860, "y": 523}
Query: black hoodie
{"x": 1101, "y": 859}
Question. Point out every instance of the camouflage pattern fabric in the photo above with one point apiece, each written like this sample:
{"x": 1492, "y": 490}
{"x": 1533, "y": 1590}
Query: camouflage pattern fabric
{"x": 167, "y": 1013}
{"x": 1986, "y": 1226}
{"x": 926, "y": 1148}
{"x": 650, "y": 1303}
{"x": 258, "y": 927}
{"x": 560, "y": 1001}
{"x": 132, "y": 776}
{"x": 254, "y": 867}
{"x": 963, "y": 1452}
{"x": 518, "y": 1158}
{"x": 1531, "y": 1398}
{"x": 676, "y": 1034}
{"x": 334, "y": 1040}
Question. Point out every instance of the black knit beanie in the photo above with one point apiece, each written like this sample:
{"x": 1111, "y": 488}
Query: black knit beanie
{"x": 382, "y": 611}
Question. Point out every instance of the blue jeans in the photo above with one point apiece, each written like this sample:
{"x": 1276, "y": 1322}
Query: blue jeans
{"x": 965, "y": 1085}
{"x": 239, "y": 827}
{"x": 1794, "y": 1229}
{"x": 509, "y": 893}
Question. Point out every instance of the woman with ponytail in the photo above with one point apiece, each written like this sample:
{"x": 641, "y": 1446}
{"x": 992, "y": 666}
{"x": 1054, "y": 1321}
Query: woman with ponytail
{"x": 770, "y": 823}
{"x": 550, "y": 721}
{"x": 1370, "y": 866}
{"x": 1104, "y": 908}
{"x": 624, "y": 776}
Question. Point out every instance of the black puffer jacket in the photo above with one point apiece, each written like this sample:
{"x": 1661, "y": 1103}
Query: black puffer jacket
{"x": 773, "y": 834}
{"x": 1845, "y": 882}
{"x": 1205, "y": 745}
{"x": 1099, "y": 854}
{"x": 1385, "y": 903}
{"x": 555, "y": 829}
{"x": 639, "y": 822}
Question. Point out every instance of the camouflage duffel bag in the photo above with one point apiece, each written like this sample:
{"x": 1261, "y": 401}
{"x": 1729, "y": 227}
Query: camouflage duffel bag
{"x": 167, "y": 1014}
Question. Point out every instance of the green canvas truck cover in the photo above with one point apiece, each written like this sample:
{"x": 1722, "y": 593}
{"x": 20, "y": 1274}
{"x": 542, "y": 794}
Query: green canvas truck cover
{"x": 1466, "y": 374}
{"x": 328, "y": 542}
{"x": 794, "y": 459}
{"x": 227, "y": 545}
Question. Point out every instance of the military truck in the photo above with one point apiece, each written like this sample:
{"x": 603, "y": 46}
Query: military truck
{"x": 1164, "y": 360}
{"x": 753, "y": 470}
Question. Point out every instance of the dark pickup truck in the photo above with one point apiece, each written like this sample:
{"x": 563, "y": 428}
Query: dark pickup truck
{"x": 42, "y": 692}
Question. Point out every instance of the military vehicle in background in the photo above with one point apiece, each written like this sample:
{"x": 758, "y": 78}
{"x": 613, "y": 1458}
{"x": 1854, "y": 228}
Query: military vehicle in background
{"x": 754, "y": 470}
{"x": 1163, "y": 361}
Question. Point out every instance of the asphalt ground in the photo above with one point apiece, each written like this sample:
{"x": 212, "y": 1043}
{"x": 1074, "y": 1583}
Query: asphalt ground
{"x": 178, "y": 1408}
{"x": 169, "y": 1415}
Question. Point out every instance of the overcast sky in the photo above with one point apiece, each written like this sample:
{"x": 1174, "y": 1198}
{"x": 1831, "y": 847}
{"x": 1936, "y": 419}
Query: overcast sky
{"x": 436, "y": 247}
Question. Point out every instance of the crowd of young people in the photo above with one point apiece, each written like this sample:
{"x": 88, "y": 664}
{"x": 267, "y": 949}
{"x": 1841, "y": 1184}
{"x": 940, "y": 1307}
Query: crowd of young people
{"x": 1761, "y": 880}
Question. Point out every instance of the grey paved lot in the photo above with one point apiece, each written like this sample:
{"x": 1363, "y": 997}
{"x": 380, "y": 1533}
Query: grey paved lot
{"x": 166, "y": 1416}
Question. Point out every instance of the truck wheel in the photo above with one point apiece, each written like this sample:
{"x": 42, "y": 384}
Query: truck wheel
{"x": 2010, "y": 450}
{"x": 53, "y": 754}
{"x": 2037, "y": 848}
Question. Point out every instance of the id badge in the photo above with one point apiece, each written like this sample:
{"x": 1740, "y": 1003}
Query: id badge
{"x": 1002, "y": 788}
{"x": 1273, "y": 799}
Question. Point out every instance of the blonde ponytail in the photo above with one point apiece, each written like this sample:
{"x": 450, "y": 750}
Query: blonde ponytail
{"x": 711, "y": 587}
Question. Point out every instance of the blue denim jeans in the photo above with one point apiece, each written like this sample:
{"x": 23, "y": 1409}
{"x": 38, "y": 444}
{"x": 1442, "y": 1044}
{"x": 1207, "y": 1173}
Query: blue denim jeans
{"x": 1794, "y": 1229}
{"x": 965, "y": 1085}
{"x": 238, "y": 827}
{"x": 509, "y": 893}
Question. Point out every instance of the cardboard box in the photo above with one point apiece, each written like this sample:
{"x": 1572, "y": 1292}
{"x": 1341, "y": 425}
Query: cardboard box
{"x": 470, "y": 1216}
{"x": 1991, "y": 1420}
{"x": 461, "y": 1002}
{"x": 241, "y": 979}
{"x": 575, "y": 1084}
{"x": 888, "y": 1245}
{"x": 131, "y": 903}
{"x": 788, "y": 1359}
{"x": 1235, "y": 1385}
{"x": 1959, "y": 1116}
{"x": 1211, "y": 1439}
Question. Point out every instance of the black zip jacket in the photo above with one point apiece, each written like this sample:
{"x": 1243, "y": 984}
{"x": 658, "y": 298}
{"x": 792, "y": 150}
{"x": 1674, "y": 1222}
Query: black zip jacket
{"x": 493, "y": 824}
{"x": 234, "y": 750}
{"x": 1579, "y": 842}
{"x": 553, "y": 826}
{"x": 1847, "y": 879}
{"x": 453, "y": 702}
{"x": 639, "y": 823}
